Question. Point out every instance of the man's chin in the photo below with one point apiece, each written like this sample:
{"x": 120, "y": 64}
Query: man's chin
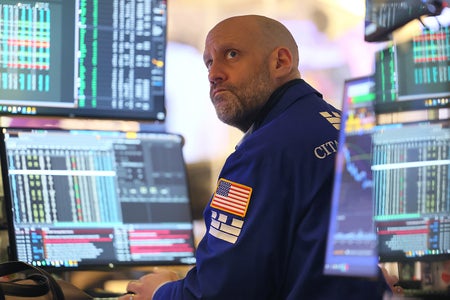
{"x": 220, "y": 96}
{"x": 225, "y": 118}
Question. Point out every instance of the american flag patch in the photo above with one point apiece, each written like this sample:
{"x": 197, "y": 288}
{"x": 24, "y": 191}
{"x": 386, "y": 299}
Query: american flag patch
{"x": 231, "y": 197}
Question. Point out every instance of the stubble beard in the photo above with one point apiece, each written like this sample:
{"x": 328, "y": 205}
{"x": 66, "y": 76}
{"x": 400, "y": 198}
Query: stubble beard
{"x": 239, "y": 107}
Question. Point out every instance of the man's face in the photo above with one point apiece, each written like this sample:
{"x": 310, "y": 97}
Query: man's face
{"x": 240, "y": 81}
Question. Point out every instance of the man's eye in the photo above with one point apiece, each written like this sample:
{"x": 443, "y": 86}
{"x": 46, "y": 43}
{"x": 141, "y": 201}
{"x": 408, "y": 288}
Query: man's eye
{"x": 231, "y": 54}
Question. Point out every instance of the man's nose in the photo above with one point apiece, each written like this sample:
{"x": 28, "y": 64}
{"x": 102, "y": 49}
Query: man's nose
{"x": 216, "y": 73}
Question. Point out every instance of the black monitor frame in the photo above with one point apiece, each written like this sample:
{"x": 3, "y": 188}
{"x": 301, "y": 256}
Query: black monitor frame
{"x": 130, "y": 218}
{"x": 351, "y": 244}
{"x": 398, "y": 67}
{"x": 412, "y": 219}
{"x": 85, "y": 59}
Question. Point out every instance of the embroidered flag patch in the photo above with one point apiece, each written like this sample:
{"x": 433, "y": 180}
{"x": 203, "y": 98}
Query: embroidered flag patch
{"x": 231, "y": 197}
{"x": 224, "y": 227}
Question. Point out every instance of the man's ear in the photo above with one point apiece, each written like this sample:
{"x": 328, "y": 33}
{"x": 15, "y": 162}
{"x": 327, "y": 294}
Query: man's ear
{"x": 284, "y": 62}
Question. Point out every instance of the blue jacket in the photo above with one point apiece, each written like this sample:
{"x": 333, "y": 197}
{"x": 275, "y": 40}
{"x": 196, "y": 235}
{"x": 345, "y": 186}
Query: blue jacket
{"x": 267, "y": 221}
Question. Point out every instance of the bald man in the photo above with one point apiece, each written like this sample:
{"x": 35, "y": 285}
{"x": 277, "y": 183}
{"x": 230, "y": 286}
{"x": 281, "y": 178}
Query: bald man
{"x": 267, "y": 220}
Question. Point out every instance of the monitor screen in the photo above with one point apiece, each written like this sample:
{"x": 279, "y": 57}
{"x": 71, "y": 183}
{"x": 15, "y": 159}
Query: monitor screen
{"x": 352, "y": 243}
{"x": 96, "y": 199}
{"x": 411, "y": 175}
{"x": 382, "y": 17}
{"x": 413, "y": 75}
{"x": 83, "y": 58}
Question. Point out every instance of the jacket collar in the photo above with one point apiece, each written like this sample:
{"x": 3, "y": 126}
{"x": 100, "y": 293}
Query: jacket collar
{"x": 280, "y": 99}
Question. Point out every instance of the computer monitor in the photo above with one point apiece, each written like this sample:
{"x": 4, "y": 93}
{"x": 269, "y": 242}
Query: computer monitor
{"x": 352, "y": 244}
{"x": 413, "y": 75}
{"x": 83, "y": 58}
{"x": 411, "y": 179}
{"x": 383, "y": 17}
{"x": 79, "y": 199}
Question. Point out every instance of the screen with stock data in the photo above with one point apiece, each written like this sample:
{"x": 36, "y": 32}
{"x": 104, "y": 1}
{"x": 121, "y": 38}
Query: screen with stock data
{"x": 391, "y": 195}
{"x": 96, "y": 199}
{"x": 83, "y": 58}
{"x": 352, "y": 242}
{"x": 411, "y": 158}
{"x": 411, "y": 174}
{"x": 415, "y": 74}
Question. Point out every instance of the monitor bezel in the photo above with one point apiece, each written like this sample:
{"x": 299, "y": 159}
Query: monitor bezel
{"x": 355, "y": 266}
{"x": 12, "y": 252}
{"x": 401, "y": 256}
{"x": 68, "y": 107}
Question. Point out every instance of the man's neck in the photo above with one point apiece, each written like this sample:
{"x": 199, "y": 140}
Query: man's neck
{"x": 273, "y": 99}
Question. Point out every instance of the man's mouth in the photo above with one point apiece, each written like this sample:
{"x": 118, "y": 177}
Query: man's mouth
{"x": 215, "y": 92}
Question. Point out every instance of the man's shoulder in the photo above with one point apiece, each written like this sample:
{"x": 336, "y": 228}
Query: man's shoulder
{"x": 306, "y": 119}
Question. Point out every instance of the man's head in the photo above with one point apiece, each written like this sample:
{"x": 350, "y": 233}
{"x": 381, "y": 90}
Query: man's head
{"x": 248, "y": 57}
